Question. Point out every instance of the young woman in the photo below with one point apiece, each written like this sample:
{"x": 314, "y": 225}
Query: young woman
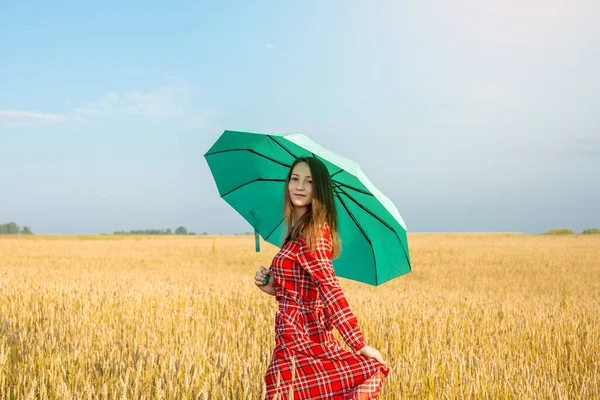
{"x": 308, "y": 361}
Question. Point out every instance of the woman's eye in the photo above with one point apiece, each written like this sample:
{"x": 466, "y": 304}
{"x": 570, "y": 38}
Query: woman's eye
{"x": 310, "y": 182}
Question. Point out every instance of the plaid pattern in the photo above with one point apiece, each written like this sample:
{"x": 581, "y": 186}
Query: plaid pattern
{"x": 308, "y": 361}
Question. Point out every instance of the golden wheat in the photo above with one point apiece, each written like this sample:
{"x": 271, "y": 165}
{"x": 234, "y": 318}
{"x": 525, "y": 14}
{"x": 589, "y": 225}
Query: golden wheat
{"x": 481, "y": 316}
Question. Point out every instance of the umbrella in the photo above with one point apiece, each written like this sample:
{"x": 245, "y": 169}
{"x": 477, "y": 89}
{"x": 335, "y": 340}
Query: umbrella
{"x": 250, "y": 170}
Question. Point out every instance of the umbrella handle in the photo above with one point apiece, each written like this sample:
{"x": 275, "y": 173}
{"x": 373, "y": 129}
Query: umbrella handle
{"x": 266, "y": 278}
{"x": 256, "y": 241}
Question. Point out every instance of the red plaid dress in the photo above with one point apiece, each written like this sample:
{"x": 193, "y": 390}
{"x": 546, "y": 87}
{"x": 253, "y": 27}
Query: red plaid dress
{"x": 307, "y": 359}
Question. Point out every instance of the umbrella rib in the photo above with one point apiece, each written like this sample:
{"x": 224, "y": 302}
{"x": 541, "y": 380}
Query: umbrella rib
{"x": 364, "y": 234}
{"x": 374, "y": 216}
{"x": 252, "y": 181}
{"x": 251, "y": 151}
{"x": 338, "y": 183}
{"x": 274, "y": 229}
{"x": 334, "y": 174}
{"x": 282, "y": 146}
{"x": 366, "y": 209}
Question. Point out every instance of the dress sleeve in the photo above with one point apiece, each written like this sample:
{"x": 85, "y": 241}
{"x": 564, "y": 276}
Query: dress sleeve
{"x": 320, "y": 268}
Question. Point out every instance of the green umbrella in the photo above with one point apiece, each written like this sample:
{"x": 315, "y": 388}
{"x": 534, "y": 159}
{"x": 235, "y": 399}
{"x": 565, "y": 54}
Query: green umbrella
{"x": 250, "y": 170}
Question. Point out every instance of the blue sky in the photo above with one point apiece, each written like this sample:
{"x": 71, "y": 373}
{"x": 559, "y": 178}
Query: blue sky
{"x": 469, "y": 115}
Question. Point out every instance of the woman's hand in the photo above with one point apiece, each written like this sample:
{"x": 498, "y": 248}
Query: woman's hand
{"x": 260, "y": 276}
{"x": 369, "y": 351}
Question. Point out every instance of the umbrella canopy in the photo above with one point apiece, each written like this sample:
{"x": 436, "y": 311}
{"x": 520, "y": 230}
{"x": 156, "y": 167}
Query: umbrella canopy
{"x": 250, "y": 170}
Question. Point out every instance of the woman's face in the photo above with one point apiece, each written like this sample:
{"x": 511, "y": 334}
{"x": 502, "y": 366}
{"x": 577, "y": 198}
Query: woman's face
{"x": 300, "y": 185}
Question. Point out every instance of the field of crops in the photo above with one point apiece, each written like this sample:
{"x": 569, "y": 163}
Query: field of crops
{"x": 481, "y": 316}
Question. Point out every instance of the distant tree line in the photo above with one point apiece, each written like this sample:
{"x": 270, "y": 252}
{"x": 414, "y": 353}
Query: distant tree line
{"x": 12, "y": 228}
{"x": 569, "y": 231}
{"x": 181, "y": 230}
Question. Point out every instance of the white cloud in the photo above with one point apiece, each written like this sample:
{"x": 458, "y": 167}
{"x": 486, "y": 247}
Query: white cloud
{"x": 178, "y": 99}
{"x": 270, "y": 46}
{"x": 25, "y": 119}
{"x": 175, "y": 99}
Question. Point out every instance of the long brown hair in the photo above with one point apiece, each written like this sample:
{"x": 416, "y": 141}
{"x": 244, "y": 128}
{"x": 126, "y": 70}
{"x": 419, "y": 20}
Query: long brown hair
{"x": 322, "y": 208}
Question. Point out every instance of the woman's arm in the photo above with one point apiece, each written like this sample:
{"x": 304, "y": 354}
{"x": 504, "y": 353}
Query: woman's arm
{"x": 319, "y": 266}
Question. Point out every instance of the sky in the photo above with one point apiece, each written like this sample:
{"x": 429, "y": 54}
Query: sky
{"x": 470, "y": 116}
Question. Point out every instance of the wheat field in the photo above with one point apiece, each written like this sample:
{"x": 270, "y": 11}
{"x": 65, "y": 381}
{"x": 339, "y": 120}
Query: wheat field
{"x": 482, "y": 316}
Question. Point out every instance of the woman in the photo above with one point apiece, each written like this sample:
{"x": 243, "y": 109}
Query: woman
{"x": 307, "y": 359}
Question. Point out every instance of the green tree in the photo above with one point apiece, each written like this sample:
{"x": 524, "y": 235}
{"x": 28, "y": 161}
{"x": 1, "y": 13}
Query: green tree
{"x": 10, "y": 228}
{"x": 591, "y": 231}
{"x": 181, "y": 230}
{"x": 26, "y": 231}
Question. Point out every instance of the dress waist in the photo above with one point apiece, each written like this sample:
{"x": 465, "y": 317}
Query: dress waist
{"x": 288, "y": 302}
